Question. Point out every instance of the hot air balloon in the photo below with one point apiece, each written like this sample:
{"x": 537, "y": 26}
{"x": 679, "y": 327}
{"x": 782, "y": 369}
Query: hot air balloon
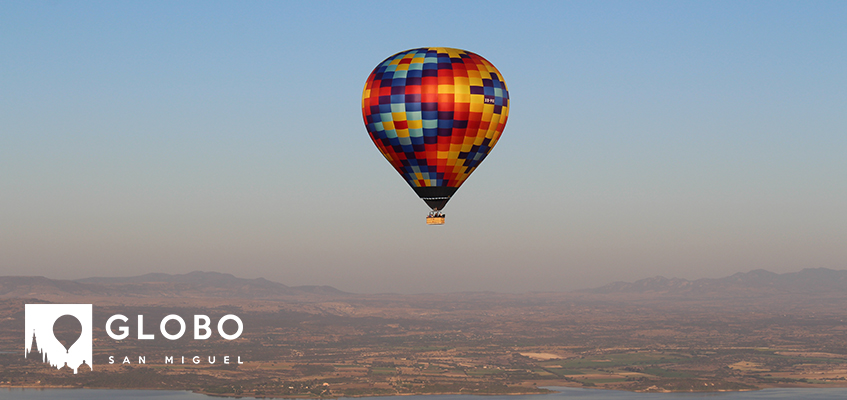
{"x": 435, "y": 113}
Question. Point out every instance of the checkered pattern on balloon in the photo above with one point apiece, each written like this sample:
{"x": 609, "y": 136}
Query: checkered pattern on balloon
{"x": 435, "y": 113}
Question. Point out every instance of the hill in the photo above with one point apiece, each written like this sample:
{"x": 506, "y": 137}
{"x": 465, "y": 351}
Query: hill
{"x": 198, "y": 284}
{"x": 807, "y": 281}
{"x": 193, "y": 284}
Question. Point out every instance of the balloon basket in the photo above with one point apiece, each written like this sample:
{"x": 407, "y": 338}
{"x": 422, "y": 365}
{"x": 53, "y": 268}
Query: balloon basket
{"x": 435, "y": 218}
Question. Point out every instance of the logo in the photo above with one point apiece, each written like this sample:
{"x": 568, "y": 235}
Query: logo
{"x": 60, "y": 334}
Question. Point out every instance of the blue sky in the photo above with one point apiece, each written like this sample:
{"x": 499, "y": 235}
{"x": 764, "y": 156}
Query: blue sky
{"x": 686, "y": 139}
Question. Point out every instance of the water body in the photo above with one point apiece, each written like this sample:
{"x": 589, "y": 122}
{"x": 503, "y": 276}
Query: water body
{"x": 563, "y": 394}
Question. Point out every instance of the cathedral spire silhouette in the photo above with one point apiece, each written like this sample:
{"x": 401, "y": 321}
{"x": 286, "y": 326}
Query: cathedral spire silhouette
{"x": 33, "y": 348}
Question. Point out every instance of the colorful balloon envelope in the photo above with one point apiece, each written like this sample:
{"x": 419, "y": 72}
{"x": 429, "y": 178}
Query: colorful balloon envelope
{"x": 435, "y": 113}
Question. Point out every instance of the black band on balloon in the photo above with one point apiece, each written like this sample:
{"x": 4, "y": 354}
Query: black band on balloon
{"x": 436, "y": 197}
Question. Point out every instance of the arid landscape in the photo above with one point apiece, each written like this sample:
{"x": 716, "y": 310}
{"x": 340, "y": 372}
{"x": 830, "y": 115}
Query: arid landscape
{"x": 743, "y": 332}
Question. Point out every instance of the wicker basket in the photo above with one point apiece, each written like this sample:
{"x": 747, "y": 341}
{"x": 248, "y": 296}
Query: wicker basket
{"x": 435, "y": 220}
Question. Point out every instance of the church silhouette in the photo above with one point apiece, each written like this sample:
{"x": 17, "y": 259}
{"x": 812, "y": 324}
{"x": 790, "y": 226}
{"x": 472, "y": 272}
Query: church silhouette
{"x": 35, "y": 353}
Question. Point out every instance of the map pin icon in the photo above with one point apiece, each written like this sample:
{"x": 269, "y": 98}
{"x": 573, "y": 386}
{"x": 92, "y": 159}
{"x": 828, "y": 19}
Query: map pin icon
{"x": 67, "y": 330}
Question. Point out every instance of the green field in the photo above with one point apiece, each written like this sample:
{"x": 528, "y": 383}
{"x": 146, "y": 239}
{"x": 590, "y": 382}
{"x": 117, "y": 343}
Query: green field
{"x": 667, "y": 373}
{"x": 563, "y": 372}
{"x": 617, "y": 360}
{"x": 383, "y": 370}
{"x": 483, "y": 371}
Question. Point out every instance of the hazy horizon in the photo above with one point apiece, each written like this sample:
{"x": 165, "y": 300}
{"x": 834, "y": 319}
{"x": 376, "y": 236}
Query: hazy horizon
{"x": 235, "y": 275}
{"x": 691, "y": 140}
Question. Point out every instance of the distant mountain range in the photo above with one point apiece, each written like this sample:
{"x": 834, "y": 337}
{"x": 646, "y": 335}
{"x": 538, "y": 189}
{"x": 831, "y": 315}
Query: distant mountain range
{"x": 193, "y": 284}
{"x": 810, "y": 280}
{"x": 219, "y": 285}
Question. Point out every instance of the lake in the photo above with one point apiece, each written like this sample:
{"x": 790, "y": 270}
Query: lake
{"x": 563, "y": 394}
